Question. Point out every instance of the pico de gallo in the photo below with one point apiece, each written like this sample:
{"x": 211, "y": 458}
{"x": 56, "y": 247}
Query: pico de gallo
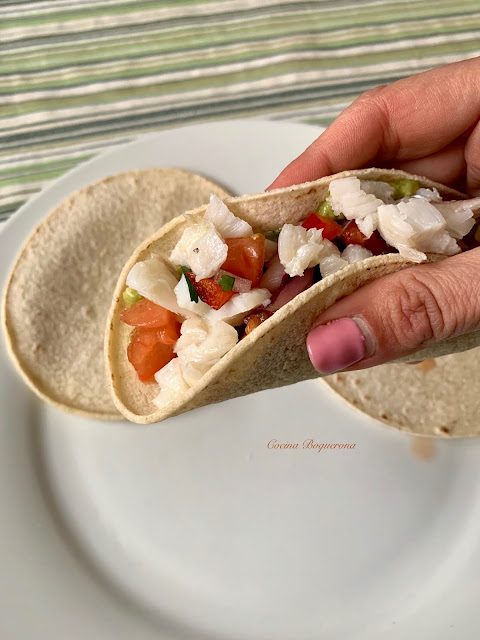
{"x": 223, "y": 279}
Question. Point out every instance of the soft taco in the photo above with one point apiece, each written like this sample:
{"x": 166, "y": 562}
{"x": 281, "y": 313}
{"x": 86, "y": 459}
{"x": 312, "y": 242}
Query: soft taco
{"x": 218, "y": 303}
{"x": 58, "y": 295}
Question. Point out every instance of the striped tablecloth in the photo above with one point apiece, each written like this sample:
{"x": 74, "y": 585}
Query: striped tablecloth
{"x": 79, "y": 75}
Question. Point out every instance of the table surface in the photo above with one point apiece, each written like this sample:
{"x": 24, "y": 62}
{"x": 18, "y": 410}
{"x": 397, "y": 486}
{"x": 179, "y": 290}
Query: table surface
{"x": 77, "y": 76}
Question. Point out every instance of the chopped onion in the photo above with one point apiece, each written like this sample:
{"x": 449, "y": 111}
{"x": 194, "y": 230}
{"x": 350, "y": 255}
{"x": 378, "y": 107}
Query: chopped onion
{"x": 241, "y": 285}
{"x": 296, "y": 285}
{"x": 275, "y": 275}
{"x": 186, "y": 304}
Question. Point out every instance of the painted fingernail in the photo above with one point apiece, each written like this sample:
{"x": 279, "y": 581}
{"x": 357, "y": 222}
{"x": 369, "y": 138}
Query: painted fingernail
{"x": 336, "y": 345}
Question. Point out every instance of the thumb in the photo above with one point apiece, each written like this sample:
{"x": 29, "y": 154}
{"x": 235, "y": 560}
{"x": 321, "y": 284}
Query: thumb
{"x": 399, "y": 314}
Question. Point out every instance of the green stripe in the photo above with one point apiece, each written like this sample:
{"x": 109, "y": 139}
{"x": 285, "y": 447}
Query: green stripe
{"x": 268, "y": 70}
{"x": 255, "y": 51}
{"x": 279, "y": 100}
{"x": 46, "y": 175}
{"x": 405, "y": 10}
{"x": 96, "y": 12}
{"x": 29, "y": 170}
{"x": 132, "y": 50}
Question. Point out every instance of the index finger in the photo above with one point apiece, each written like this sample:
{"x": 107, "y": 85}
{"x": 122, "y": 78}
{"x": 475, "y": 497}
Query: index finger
{"x": 411, "y": 118}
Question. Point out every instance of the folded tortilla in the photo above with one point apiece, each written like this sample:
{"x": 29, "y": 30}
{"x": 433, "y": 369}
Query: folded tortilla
{"x": 274, "y": 354}
{"x": 59, "y": 291}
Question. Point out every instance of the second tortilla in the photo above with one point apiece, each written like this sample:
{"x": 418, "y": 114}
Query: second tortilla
{"x": 59, "y": 292}
{"x": 438, "y": 397}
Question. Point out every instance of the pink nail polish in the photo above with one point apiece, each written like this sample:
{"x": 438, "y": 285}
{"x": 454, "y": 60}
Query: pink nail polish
{"x": 336, "y": 345}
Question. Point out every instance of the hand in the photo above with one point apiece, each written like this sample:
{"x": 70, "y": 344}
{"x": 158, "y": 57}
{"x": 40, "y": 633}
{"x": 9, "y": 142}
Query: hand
{"x": 429, "y": 125}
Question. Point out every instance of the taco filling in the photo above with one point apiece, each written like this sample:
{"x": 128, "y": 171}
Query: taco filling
{"x": 223, "y": 278}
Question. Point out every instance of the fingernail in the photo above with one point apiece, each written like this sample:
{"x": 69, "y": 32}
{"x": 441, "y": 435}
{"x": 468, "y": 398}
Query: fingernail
{"x": 336, "y": 345}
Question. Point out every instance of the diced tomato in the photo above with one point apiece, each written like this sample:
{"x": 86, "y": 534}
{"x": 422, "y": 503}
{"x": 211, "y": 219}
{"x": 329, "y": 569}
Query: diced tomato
{"x": 376, "y": 244}
{"x": 331, "y": 229}
{"x": 351, "y": 234}
{"x": 210, "y": 292}
{"x": 148, "y": 353}
{"x": 147, "y": 314}
{"x": 246, "y": 257}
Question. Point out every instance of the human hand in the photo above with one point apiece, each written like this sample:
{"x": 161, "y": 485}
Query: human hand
{"x": 429, "y": 125}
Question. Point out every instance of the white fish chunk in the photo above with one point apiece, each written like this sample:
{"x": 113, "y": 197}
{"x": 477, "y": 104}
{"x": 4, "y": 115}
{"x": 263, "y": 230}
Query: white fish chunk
{"x": 355, "y": 253}
{"x": 300, "y": 248}
{"x": 172, "y": 383}
{"x": 424, "y": 218}
{"x": 238, "y": 306}
{"x": 348, "y": 198}
{"x": 368, "y": 224}
{"x": 397, "y": 232}
{"x": 453, "y": 206}
{"x": 459, "y": 223}
{"x": 414, "y": 228}
{"x": 429, "y": 226}
{"x": 351, "y": 253}
{"x": 153, "y": 280}
{"x": 225, "y": 222}
{"x": 201, "y": 345}
{"x": 201, "y": 248}
{"x": 332, "y": 264}
{"x": 431, "y": 195}
{"x": 460, "y": 215}
{"x": 379, "y": 189}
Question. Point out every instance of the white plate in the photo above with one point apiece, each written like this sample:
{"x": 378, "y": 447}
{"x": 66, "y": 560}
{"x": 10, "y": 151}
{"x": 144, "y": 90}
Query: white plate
{"x": 195, "y": 528}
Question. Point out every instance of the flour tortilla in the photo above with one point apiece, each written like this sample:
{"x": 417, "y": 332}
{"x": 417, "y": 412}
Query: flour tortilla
{"x": 60, "y": 289}
{"x": 441, "y": 399}
{"x": 274, "y": 354}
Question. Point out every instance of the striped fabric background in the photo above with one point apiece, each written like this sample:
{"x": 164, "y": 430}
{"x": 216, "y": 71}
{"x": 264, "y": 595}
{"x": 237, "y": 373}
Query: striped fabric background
{"x": 79, "y": 75}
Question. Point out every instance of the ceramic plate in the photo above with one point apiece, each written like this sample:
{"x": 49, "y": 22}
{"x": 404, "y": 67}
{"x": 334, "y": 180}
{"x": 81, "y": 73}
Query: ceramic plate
{"x": 200, "y": 528}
